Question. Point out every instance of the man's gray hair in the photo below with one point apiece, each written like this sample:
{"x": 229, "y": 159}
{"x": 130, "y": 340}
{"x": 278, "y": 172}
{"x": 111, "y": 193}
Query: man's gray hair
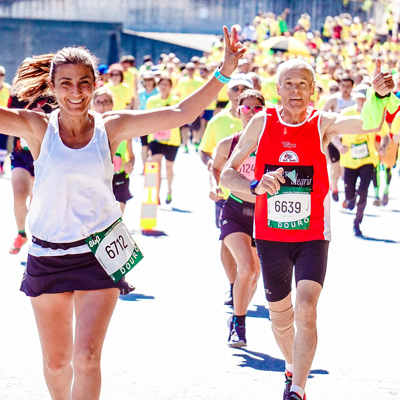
{"x": 103, "y": 90}
{"x": 295, "y": 64}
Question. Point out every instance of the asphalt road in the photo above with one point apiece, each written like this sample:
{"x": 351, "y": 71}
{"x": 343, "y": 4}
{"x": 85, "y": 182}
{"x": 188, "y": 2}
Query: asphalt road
{"x": 167, "y": 340}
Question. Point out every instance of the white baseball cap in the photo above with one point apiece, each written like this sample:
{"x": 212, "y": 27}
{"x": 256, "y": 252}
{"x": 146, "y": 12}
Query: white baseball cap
{"x": 240, "y": 79}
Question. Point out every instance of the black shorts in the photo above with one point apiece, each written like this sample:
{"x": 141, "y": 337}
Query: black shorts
{"x": 22, "y": 159}
{"x": 237, "y": 217}
{"x": 121, "y": 188}
{"x": 277, "y": 260}
{"x": 218, "y": 210}
{"x": 222, "y": 104}
{"x": 144, "y": 141}
{"x": 195, "y": 125}
{"x": 166, "y": 150}
{"x": 59, "y": 274}
{"x": 334, "y": 154}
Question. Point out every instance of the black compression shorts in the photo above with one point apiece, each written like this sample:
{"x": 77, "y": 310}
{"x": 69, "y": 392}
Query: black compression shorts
{"x": 166, "y": 150}
{"x": 277, "y": 260}
{"x": 334, "y": 154}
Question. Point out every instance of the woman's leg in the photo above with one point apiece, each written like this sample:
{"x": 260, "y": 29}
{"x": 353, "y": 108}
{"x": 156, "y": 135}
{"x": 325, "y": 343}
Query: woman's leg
{"x": 170, "y": 174}
{"x": 54, "y": 314}
{"x": 93, "y": 311}
{"x": 248, "y": 271}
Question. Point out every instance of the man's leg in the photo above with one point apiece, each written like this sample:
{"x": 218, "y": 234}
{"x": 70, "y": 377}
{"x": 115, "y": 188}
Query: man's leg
{"x": 365, "y": 173}
{"x": 350, "y": 179}
{"x": 305, "y": 343}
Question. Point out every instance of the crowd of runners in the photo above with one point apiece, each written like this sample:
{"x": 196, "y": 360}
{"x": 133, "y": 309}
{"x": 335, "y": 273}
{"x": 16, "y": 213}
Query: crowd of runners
{"x": 276, "y": 132}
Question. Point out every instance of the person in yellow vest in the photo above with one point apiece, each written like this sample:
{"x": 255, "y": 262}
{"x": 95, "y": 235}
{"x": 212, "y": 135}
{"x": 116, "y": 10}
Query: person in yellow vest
{"x": 130, "y": 76}
{"x": 124, "y": 159}
{"x": 164, "y": 144}
{"x": 268, "y": 87}
{"x": 185, "y": 87}
{"x": 359, "y": 158}
{"x": 119, "y": 88}
{"x": 4, "y": 96}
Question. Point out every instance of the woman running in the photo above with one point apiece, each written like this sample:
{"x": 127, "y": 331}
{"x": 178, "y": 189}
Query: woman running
{"x": 165, "y": 143}
{"x": 124, "y": 159}
{"x": 73, "y": 200}
{"x": 237, "y": 220}
{"x": 4, "y": 96}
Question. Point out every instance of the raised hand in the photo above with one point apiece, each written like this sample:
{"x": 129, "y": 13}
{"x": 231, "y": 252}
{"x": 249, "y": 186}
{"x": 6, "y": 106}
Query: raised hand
{"x": 383, "y": 82}
{"x": 233, "y": 52}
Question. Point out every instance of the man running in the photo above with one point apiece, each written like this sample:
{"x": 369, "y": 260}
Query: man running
{"x": 292, "y": 207}
{"x": 337, "y": 103}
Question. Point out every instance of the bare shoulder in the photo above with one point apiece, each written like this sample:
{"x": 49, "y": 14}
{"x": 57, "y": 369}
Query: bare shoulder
{"x": 327, "y": 123}
{"x": 224, "y": 146}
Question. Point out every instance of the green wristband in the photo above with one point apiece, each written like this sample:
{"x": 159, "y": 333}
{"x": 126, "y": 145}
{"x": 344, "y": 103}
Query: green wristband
{"x": 223, "y": 79}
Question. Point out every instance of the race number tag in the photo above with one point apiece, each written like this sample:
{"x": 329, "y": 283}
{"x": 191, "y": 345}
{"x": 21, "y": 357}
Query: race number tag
{"x": 359, "y": 151}
{"x": 248, "y": 167}
{"x": 162, "y": 135}
{"x": 290, "y": 208}
{"x": 115, "y": 250}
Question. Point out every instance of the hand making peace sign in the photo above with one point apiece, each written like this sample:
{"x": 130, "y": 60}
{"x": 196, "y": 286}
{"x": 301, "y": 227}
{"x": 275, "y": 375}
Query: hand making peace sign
{"x": 233, "y": 52}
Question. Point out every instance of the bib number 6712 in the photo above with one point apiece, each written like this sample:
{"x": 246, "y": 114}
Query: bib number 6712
{"x": 116, "y": 246}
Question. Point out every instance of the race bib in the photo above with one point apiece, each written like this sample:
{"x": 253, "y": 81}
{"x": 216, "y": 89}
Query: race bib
{"x": 115, "y": 250}
{"x": 162, "y": 135}
{"x": 359, "y": 151}
{"x": 248, "y": 167}
{"x": 290, "y": 208}
{"x": 117, "y": 161}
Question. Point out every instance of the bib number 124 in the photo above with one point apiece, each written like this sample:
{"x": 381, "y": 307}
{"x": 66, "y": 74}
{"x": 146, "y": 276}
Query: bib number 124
{"x": 115, "y": 250}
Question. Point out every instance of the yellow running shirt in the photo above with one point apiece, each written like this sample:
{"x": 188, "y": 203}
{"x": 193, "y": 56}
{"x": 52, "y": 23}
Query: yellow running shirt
{"x": 5, "y": 94}
{"x": 185, "y": 86}
{"x": 173, "y": 135}
{"x": 122, "y": 95}
{"x": 362, "y": 148}
{"x": 220, "y": 126}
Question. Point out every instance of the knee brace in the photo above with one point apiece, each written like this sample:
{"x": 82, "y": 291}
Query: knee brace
{"x": 282, "y": 322}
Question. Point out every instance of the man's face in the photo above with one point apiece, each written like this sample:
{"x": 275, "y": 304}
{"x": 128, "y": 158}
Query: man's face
{"x": 2, "y": 77}
{"x": 295, "y": 88}
{"x": 345, "y": 88}
{"x": 235, "y": 92}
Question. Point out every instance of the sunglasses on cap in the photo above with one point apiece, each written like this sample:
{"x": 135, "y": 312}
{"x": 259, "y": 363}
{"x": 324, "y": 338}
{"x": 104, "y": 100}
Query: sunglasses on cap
{"x": 246, "y": 109}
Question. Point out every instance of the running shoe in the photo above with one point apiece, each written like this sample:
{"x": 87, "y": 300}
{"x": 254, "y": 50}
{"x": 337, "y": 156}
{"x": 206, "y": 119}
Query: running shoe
{"x": 377, "y": 202}
{"x": 169, "y": 198}
{"x": 185, "y": 150}
{"x": 294, "y": 396}
{"x": 288, "y": 384}
{"x": 335, "y": 196}
{"x": 196, "y": 147}
{"x": 385, "y": 200}
{"x": 237, "y": 336}
{"x": 18, "y": 243}
{"x": 357, "y": 230}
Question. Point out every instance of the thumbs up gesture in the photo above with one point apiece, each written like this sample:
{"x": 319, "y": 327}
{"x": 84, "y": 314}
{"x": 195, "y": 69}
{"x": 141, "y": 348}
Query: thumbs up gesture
{"x": 383, "y": 82}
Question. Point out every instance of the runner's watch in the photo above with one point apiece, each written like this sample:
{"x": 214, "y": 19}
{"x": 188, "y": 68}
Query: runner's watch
{"x": 253, "y": 187}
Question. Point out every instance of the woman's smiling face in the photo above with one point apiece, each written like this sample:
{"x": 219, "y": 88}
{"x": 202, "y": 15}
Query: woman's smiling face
{"x": 73, "y": 86}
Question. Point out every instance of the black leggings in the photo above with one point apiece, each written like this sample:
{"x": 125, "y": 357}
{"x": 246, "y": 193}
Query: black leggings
{"x": 365, "y": 173}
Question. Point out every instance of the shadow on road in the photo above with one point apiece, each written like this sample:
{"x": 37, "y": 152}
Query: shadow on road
{"x": 135, "y": 297}
{"x": 152, "y": 233}
{"x": 264, "y": 362}
{"x": 260, "y": 312}
{"x": 174, "y": 209}
{"x": 371, "y": 239}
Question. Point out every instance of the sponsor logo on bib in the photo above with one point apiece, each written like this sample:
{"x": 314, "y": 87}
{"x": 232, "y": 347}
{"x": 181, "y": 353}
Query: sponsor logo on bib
{"x": 289, "y": 145}
{"x": 288, "y": 156}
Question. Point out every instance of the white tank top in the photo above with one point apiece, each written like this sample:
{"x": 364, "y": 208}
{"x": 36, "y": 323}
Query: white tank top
{"x": 341, "y": 103}
{"x": 72, "y": 193}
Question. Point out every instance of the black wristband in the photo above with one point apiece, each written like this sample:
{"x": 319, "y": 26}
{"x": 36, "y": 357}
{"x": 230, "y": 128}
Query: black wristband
{"x": 382, "y": 97}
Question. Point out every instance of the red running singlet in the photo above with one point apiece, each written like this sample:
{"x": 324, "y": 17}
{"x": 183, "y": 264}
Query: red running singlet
{"x": 299, "y": 212}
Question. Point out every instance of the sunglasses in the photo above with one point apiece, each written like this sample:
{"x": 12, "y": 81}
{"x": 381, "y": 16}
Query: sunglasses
{"x": 102, "y": 103}
{"x": 237, "y": 88}
{"x": 117, "y": 74}
{"x": 247, "y": 109}
{"x": 2, "y": 75}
